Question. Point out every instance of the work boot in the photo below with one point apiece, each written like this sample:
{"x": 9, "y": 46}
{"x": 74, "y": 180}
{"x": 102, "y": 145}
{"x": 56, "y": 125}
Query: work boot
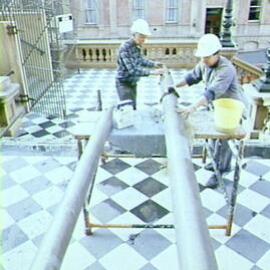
{"x": 212, "y": 182}
{"x": 209, "y": 167}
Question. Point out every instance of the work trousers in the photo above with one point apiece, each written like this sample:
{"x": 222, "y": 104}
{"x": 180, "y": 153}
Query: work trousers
{"x": 127, "y": 90}
{"x": 223, "y": 156}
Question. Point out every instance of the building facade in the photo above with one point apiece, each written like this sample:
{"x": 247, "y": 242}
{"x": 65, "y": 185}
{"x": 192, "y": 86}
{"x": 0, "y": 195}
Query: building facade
{"x": 173, "y": 19}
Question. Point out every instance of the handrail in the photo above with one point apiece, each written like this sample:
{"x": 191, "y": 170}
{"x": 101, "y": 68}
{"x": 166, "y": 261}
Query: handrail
{"x": 192, "y": 235}
{"x": 247, "y": 66}
{"x": 56, "y": 240}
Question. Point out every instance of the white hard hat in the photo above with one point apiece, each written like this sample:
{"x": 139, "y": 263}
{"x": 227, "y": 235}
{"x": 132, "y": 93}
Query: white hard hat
{"x": 140, "y": 26}
{"x": 208, "y": 45}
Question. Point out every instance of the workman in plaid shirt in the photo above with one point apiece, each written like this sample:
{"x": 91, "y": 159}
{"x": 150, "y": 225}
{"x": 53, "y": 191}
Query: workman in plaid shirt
{"x": 131, "y": 64}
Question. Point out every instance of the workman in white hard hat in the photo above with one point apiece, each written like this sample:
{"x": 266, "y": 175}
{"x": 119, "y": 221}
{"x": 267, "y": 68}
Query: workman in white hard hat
{"x": 131, "y": 64}
{"x": 220, "y": 78}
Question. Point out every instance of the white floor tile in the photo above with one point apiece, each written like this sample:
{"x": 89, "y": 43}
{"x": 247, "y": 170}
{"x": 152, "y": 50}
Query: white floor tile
{"x": 12, "y": 195}
{"x": 264, "y": 261}
{"x": 59, "y": 175}
{"x": 123, "y": 257}
{"x": 219, "y": 234}
{"x": 162, "y": 176}
{"x": 229, "y": 259}
{"x": 212, "y": 199}
{"x": 36, "y": 224}
{"x": 6, "y": 219}
{"x": 247, "y": 179}
{"x": 168, "y": 259}
{"x": 49, "y": 197}
{"x": 132, "y": 176}
{"x": 24, "y": 174}
{"x": 252, "y": 200}
{"x": 164, "y": 198}
{"x": 77, "y": 257}
{"x": 129, "y": 198}
{"x": 102, "y": 175}
{"x": 97, "y": 197}
{"x": 20, "y": 258}
{"x": 259, "y": 226}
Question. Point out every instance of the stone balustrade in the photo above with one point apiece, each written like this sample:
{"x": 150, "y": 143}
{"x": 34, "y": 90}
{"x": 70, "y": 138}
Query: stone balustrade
{"x": 245, "y": 71}
{"x": 173, "y": 53}
{"x": 102, "y": 54}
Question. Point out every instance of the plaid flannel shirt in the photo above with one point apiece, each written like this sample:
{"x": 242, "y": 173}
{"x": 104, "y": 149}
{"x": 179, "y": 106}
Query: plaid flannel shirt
{"x": 131, "y": 63}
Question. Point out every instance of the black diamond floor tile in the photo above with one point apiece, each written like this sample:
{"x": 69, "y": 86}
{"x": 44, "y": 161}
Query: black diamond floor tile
{"x": 47, "y": 124}
{"x": 40, "y": 133}
{"x": 67, "y": 124}
{"x": 12, "y": 237}
{"x": 46, "y": 165}
{"x": 266, "y": 211}
{"x": 149, "y": 187}
{"x": 61, "y": 134}
{"x": 7, "y": 182}
{"x": 36, "y": 184}
{"x": 149, "y": 211}
{"x": 23, "y": 209}
{"x": 150, "y": 243}
{"x": 256, "y": 268}
{"x": 14, "y": 164}
{"x": 107, "y": 210}
{"x": 255, "y": 249}
{"x": 148, "y": 266}
{"x": 256, "y": 168}
{"x": 95, "y": 266}
{"x": 149, "y": 166}
{"x": 112, "y": 186}
{"x": 101, "y": 242}
{"x": 242, "y": 214}
{"x": 196, "y": 167}
{"x": 115, "y": 166}
{"x": 262, "y": 187}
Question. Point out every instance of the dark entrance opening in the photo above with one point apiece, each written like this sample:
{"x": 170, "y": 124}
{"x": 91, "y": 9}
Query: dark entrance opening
{"x": 213, "y": 20}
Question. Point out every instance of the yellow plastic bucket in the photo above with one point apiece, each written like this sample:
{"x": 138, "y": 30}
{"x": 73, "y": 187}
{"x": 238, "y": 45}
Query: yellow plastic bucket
{"x": 227, "y": 114}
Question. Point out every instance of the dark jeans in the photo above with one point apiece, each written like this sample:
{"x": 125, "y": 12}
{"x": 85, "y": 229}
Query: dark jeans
{"x": 126, "y": 90}
{"x": 224, "y": 157}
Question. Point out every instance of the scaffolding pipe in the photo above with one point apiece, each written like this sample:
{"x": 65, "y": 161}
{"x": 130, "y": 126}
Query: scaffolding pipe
{"x": 56, "y": 240}
{"x": 192, "y": 236}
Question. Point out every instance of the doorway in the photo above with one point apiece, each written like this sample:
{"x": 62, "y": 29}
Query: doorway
{"x": 213, "y": 20}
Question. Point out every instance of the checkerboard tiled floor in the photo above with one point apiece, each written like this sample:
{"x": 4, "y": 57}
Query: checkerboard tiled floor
{"x": 81, "y": 99}
{"x": 128, "y": 191}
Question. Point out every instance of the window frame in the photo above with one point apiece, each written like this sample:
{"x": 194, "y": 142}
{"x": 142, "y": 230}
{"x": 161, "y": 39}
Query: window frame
{"x": 255, "y": 7}
{"x": 174, "y": 8}
{"x": 89, "y": 9}
{"x": 136, "y": 8}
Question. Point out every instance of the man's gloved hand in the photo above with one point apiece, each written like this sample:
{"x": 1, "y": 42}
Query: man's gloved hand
{"x": 159, "y": 65}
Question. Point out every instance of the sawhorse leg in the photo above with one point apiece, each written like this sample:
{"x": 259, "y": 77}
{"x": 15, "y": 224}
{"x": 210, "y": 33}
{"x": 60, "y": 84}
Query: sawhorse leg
{"x": 233, "y": 197}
